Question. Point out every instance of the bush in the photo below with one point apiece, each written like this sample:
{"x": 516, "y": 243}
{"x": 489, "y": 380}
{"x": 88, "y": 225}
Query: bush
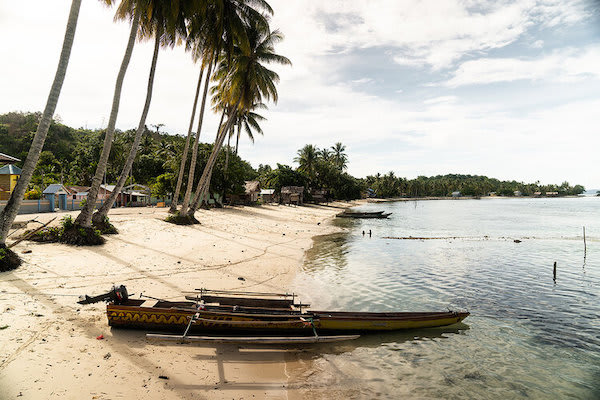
{"x": 102, "y": 223}
{"x": 9, "y": 260}
{"x": 69, "y": 233}
{"x": 82, "y": 236}
{"x": 33, "y": 194}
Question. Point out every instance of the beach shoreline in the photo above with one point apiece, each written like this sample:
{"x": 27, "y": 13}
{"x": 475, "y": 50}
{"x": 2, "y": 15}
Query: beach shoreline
{"x": 50, "y": 346}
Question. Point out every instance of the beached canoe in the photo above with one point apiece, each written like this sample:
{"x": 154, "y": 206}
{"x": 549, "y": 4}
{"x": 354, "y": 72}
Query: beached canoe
{"x": 159, "y": 315}
{"x": 356, "y": 214}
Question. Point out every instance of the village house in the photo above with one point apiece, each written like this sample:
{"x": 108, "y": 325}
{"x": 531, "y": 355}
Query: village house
{"x": 9, "y": 175}
{"x": 77, "y": 193}
{"x": 292, "y": 194}
{"x": 252, "y": 190}
{"x": 267, "y": 195}
{"x": 56, "y": 194}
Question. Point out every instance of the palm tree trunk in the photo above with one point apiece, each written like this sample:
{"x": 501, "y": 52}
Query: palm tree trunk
{"x": 197, "y": 196}
{"x": 173, "y": 207}
{"x": 228, "y": 148}
{"x": 204, "y": 182}
{"x": 237, "y": 140}
{"x": 227, "y": 151}
{"x": 85, "y": 216}
{"x": 103, "y": 211}
{"x": 10, "y": 211}
{"x": 192, "y": 172}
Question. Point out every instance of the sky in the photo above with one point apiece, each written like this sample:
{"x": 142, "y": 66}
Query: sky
{"x": 507, "y": 89}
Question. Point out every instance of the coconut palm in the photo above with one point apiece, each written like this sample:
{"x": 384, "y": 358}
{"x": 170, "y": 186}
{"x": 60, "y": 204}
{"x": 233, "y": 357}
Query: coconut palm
{"x": 307, "y": 160}
{"x": 165, "y": 21}
{"x": 339, "y": 157}
{"x": 246, "y": 83}
{"x": 221, "y": 29}
{"x": 85, "y": 216}
{"x": 10, "y": 211}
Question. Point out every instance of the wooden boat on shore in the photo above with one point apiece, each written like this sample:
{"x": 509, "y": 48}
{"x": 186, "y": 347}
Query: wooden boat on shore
{"x": 239, "y": 313}
{"x": 363, "y": 214}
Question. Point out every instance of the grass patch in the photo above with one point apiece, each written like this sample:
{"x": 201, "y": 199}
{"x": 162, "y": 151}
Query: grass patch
{"x": 179, "y": 219}
{"x": 9, "y": 260}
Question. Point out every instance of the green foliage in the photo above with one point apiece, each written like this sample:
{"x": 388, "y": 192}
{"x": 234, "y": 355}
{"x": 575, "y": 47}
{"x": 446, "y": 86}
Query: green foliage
{"x": 468, "y": 185}
{"x": 33, "y": 194}
{"x": 71, "y": 155}
{"x": 66, "y": 222}
{"x": 284, "y": 175}
{"x": 164, "y": 185}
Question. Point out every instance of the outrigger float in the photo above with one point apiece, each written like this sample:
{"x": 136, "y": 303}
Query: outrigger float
{"x": 241, "y": 313}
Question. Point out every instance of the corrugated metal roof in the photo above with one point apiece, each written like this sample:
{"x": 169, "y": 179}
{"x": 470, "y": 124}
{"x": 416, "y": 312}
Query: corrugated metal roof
{"x": 6, "y": 157}
{"x": 54, "y": 189}
{"x": 10, "y": 170}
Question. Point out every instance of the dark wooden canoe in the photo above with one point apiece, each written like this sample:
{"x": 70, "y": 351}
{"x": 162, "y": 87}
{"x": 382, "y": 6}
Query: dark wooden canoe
{"x": 175, "y": 316}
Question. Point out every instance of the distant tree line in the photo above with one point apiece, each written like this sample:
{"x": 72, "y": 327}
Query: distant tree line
{"x": 70, "y": 156}
{"x": 389, "y": 185}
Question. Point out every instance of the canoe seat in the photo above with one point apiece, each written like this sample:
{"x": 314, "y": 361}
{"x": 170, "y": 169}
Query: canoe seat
{"x": 149, "y": 303}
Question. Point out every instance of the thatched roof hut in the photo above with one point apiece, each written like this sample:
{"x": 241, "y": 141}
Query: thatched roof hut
{"x": 292, "y": 194}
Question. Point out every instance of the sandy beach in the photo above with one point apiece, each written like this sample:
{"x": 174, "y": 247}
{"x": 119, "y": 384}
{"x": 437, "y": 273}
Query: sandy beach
{"x": 49, "y": 346}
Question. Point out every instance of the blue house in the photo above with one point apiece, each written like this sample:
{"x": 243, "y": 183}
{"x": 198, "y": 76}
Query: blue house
{"x": 56, "y": 193}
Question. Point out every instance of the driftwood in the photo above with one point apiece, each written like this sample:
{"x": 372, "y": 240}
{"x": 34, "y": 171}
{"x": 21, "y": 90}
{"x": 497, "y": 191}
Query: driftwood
{"x": 30, "y": 234}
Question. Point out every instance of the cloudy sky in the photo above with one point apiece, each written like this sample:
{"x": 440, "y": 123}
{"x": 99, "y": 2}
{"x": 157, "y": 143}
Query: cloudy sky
{"x": 508, "y": 89}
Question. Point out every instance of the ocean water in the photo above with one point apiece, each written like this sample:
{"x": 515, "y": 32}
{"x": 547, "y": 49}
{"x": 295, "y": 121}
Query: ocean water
{"x": 527, "y": 336}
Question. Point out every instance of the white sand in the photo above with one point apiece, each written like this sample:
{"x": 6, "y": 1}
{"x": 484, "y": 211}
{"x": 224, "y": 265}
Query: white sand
{"x": 50, "y": 350}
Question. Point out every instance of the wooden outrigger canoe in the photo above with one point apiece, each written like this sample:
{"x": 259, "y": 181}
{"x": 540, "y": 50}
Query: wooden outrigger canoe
{"x": 237, "y": 313}
{"x": 366, "y": 214}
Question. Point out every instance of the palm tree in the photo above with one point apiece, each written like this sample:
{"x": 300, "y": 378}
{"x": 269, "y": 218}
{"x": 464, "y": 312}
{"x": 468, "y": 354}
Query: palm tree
{"x": 307, "y": 158}
{"x": 166, "y": 22}
{"x": 246, "y": 83}
{"x": 222, "y": 28}
{"x": 85, "y": 216}
{"x": 10, "y": 211}
{"x": 339, "y": 157}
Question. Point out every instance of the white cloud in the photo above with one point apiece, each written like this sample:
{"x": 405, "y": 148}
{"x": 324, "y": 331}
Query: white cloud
{"x": 566, "y": 65}
{"x": 433, "y": 33}
{"x": 441, "y": 99}
{"x": 362, "y": 81}
{"x": 538, "y": 44}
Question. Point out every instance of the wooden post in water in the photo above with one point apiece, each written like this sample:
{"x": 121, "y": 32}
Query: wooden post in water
{"x": 554, "y": 271}
{"x": 584, "y": 244}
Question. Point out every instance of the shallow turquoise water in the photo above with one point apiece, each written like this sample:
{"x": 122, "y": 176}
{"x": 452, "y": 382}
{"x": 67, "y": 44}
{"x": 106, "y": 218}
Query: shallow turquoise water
{"x": 527, "y": 336}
